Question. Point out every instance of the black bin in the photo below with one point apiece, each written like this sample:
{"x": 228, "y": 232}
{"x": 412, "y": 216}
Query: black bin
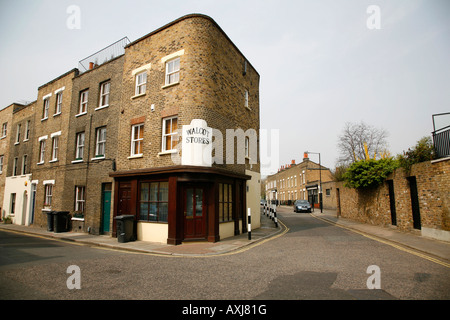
{"x": 49, "y": 219}
{"x": 125, "y": 228}
{"x": 61, "y": 221}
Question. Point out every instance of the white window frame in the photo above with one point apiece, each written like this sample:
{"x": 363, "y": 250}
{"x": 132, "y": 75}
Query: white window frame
{"x": 105, "y": 89}
{"x": 48, "y": 194}
{"x": 46, "y": 108}
{"x": 137, "y": 141}
{"x": 247, "y": 147}
{"x": 27, "y": 130}
{"x": 175, "y": 73}
{"x": 80, "y": 198}
{"x": 100, "y": 142}
{"x": 24, "y": 164}
{"x": 58, "y": 107}
{"x": 4, "y": 129}
{"x": 84, "y": 97}
{"x": 42, "y": 151}
{"x": 164, "y": 135}
{"x": 79, "y": 151}
{"x": 55, "y": 148}
{"x": 19, "y": 126}
{"x": 140, "y": 83}
{"x": 246, "y": 99}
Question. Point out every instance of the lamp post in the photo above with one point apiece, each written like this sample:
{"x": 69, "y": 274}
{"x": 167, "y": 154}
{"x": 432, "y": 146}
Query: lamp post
{"x": 320, "y": 181}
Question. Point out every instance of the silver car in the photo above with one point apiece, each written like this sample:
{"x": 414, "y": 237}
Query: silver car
{"x": 302, "y": 206}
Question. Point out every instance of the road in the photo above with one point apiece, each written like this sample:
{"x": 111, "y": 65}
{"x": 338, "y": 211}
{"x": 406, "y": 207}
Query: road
{"x": 313, "y": 260}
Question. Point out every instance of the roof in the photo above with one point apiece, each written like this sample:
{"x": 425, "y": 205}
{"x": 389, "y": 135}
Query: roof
{"x": 190, "y": 16}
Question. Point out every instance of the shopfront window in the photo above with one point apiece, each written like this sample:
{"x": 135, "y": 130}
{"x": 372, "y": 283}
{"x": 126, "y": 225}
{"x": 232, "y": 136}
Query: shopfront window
{"x": 153, "y": 202}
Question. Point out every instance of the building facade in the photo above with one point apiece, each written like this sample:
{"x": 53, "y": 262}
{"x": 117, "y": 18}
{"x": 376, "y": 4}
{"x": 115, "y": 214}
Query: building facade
{"x": 167, "y": 131}
{"x": 300, "y": 181}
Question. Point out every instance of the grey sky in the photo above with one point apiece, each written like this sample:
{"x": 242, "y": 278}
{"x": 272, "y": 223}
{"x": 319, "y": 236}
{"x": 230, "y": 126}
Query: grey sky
{"x": 320, "y": 65}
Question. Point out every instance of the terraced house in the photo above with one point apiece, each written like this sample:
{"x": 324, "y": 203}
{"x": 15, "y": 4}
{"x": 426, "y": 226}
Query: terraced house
{"x": 165, "y": 129}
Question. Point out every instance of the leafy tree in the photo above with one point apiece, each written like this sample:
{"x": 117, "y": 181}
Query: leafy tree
{"x": 422, "y": 151}
{"x": 369, "y": 173}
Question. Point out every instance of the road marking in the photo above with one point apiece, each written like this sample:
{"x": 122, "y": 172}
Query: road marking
{"x": 390, "y": 243}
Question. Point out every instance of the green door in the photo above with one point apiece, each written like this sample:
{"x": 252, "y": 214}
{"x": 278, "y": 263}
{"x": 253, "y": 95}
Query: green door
{"x": 106, "y": 206}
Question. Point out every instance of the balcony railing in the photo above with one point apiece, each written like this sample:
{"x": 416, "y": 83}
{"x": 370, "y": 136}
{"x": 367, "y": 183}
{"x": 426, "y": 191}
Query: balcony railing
{"x": 104, "y": 55}
{"x": 441, "y": 136}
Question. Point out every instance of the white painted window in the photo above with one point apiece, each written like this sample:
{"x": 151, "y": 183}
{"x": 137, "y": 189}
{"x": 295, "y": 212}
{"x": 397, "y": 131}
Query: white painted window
{"x": 42, "y": 151}
{"x": 48, "y": 194}
{"x": 79, "y": 198}
{"x": 19, "y": 126}
{"x": 100, "y": 142}
{"x": 170, "y": 127}
{"x": 137, "y": 137}
{"x": 83, "y": 102}
{"x": 55, "y": 147}
{"x": 80, "y": 146}
{"x": 46, "y": 106}
{"x": 104, "y": 94}
{"x": 173, "y": 71}
{"x": 58, "y": 106}
{"x": 4, "y": 129}
{"x": 141, "y": 83}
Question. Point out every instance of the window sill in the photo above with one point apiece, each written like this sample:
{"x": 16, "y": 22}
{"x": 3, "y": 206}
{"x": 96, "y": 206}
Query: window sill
{"x": 57, "y": 114}
{"x": 80, "y": 114}
{"x": 46, "y": 209}
{"x": 170, "y": 85}
{"x": 16, "y": 143}
{"x": 167, "y": 152}
{"x": 101, "y": 107}
{"x": 77, "y": 161}
{"x": 53, "y": 160}
{"x": 98, "y": 158}
{"x": 43, "y": 119}
{"x": 136, "y": 156}
{"x": 39, "y": 163}
{"x": 248, "y": 108}
{"x": 138, "y": 95}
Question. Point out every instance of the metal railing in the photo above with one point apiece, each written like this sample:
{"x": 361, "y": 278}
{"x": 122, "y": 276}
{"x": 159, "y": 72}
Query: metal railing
{"x": 441, "y": 136}
{"x": 104, "y": 55}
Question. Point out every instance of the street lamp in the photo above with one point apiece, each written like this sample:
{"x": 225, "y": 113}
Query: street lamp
{"x": 320, "y": 181}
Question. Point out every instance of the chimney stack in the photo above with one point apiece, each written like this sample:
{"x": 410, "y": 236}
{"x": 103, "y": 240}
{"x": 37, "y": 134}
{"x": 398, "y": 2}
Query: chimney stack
{"x": 91, "y": 65}
{"x": 305, "y": 156}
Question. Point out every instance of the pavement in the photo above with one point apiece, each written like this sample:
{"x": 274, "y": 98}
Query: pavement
{"x": 267, "y": 231}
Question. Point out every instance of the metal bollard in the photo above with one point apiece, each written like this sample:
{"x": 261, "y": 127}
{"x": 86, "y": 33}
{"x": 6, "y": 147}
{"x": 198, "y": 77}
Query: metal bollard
{"x": 249, "y": 225}
{"x": 275, "y": 218}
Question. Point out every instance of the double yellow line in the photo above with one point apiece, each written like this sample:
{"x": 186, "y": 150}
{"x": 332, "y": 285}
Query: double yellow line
{"x": 392, "y": 244}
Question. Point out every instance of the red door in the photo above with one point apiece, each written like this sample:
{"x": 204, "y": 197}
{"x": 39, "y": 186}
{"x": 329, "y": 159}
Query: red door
{"x": 194, "y": 208}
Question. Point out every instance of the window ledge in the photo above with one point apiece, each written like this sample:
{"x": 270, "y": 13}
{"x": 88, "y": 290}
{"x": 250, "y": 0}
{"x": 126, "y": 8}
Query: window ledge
{"x": 57, "y": 114}
{"x": 138, "y": 95}
{"x": 81, "y": 114}
{"x": 98, "y": 158}
{"x": 170, "y": 85}
{"x": 43, "y": 119}
{"x": 248, "y": 108}
{"x": 136, "y": 156}
{"x": 42, "y": 162}
{"x": 167, "y": 152}
{"x": 53, "y": 160}
{"x": 101, "y": 107}
{"x": 16, "y": 143}
{"x": 77, "y": 161}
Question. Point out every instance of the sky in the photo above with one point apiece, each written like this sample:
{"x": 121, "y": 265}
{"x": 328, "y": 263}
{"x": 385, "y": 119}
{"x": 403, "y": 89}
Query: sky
{"x": 321, "y": 63}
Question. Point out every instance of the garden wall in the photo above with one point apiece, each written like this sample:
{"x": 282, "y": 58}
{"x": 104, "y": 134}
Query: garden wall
{"x": 393, "y": 203}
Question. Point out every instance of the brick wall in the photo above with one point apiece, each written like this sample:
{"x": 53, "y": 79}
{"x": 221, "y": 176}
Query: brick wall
{"x": 373, "y": 206}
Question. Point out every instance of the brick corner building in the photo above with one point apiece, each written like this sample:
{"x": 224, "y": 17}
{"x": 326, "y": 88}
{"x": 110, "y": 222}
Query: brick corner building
{"x": 165, "y": 129}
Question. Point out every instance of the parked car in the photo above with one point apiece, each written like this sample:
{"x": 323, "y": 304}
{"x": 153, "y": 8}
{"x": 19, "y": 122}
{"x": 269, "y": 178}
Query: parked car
{"x": 302, "y": 205}
{"x": 263, "y": 202}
